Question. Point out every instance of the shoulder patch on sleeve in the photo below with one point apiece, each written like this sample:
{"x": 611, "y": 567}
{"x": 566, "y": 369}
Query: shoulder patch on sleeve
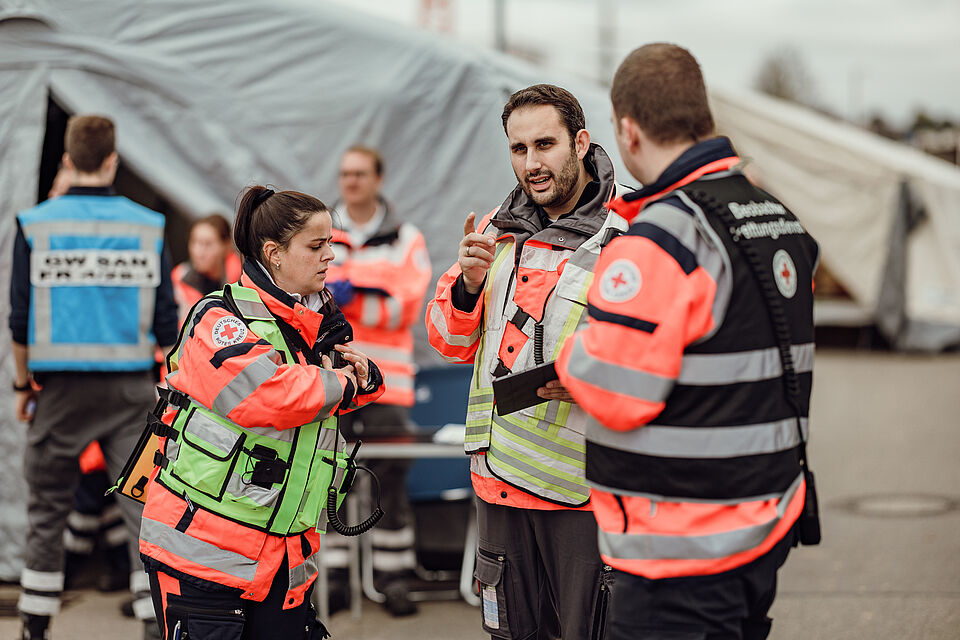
{"x": 227, "y": 331}
{"x": 621, "y": 281}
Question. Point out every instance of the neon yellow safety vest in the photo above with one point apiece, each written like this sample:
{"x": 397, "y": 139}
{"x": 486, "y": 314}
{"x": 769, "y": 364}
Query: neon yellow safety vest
{"x": 539, "y": 449}
{"x": 269, "y": 479}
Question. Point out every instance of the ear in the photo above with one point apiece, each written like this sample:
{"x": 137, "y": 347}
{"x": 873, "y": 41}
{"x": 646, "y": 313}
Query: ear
{"x": 67, "y": 161}
{"x": 630, "y": 131}
{"x": 582, "y": 143}
{"x": 271, "y": 252}
{"x": 110, "y": 162}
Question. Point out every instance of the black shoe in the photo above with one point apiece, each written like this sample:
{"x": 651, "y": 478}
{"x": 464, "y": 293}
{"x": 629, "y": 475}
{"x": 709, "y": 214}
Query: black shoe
{"x": 126, "y": 607}
{"x": 35, "y": 627}
{"x": 398, "y": 602}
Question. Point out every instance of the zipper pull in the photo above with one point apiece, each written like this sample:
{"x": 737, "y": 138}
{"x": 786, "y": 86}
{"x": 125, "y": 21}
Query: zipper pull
{"x": 190, "y": 506}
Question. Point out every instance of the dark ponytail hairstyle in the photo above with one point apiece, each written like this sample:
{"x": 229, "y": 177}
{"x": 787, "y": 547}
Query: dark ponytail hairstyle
{"x": 264, "y": 214}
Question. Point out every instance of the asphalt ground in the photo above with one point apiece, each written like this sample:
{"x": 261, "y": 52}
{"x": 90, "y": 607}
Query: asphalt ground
{"x": 885, "y": 447}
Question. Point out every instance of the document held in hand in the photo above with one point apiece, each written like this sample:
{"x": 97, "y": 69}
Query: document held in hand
{"x": 519, "y": 390}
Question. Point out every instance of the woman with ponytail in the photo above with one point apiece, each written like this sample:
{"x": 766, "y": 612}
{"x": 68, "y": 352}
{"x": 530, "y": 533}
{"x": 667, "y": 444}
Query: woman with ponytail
{"x": 250, "y": 455}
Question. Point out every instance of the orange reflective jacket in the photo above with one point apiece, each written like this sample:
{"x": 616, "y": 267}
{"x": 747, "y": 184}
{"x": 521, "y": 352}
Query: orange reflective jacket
{"x": 224, "y": 366}
{"x": 390, "y": 274}
{"x": 692, "y": 453}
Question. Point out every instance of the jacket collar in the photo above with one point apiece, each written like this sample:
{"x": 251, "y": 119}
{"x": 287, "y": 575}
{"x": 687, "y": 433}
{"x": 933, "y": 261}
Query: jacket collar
{"x": 709, "y": 156}
{"x": 90, "y": 191}
{"x": 518, "y": 214}
{"x": 388, "y": 229}
{"x": 282, "y": 304}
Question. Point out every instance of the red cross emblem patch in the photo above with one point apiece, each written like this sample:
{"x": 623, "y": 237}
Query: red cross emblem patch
{"x": 785, "y": 273}
{"x": 228, "y": 331}
{"x": 621, "y": 281}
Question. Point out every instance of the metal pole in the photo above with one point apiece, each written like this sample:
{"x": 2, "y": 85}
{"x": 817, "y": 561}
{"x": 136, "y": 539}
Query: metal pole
{"x": 500, "y": 25}
{"x": 606, "y": 39}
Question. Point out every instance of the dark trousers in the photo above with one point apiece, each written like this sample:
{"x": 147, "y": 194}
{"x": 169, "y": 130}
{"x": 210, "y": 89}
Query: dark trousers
{"x": 74, "y": 409}
{"x": 540, "y": 573}
{"x": 393, "y": 537}
{"x": 196, "y": 609}
{"x": 728, "y": 606}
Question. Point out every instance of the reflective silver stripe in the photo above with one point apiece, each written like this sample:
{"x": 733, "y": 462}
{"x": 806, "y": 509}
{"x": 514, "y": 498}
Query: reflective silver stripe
{"x": 143, "y": 609}
{"x": 401, "y": 538}
{"x": 631, "y": 546}
{"x": 701, "y": 442}
{"x": 398, "y": 381}
{"x": 370, "y": 309}
{"x": 40, "y": 232}
{"x": 244, "y": 383}
{"x": 211, "y": 432}
{"x": 478, "y": 466}
{"x": 378, "y": 353}
{"x": 280, "y": 435}
{"x": 390, "y": 560}
{"x": 254, "y": 310}
{"x": 301, "y": 574}
{"x": 655, "y": 497}
{"x": 327, "y": 440}
{"x": 394, "y": 312}
{"x": 82, "y": 522}
{"x": 533, "y": 257}
{"x": 452, "y": 339}
{"x": 743, "y": 366}
{"x": 550, "y": 444}
{"x": 612, "y": 377}
{"x": 74, "y": 352}
{"x": 38, "y": 605}
{"x": 203, "y": 553}
{"x": 332, "y": 394}
{"x": 497, "y": 457}
{"x": 41, "y": 580}
{"x": 237, "y": 487}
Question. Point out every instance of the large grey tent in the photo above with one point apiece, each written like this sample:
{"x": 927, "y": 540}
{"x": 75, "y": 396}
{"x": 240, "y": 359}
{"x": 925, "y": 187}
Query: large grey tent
{"x": 211, "y": 96}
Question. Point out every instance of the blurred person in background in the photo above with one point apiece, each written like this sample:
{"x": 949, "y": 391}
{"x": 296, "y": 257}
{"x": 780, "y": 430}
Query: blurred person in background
{"x": 90, "y": 299}
{"x": 695, "y": 448}
{"x": 212, "y": 262}
{"x": 516, "y": 293}
{"x": 231, "y": 526}
{"x": 379, "y": 278}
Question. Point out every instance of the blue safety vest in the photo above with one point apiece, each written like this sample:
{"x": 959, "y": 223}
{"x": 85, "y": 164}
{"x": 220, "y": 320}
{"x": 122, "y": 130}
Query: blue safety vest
{"x": 94, "y": 273}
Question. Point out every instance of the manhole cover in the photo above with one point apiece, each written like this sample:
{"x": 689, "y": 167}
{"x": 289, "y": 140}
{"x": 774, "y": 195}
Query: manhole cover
{"x": 909, "y": 505}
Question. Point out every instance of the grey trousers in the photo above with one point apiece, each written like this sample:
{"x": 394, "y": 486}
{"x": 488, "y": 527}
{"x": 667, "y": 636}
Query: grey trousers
{"x": 540, "y": 573}
{"x": 74, "y": 409}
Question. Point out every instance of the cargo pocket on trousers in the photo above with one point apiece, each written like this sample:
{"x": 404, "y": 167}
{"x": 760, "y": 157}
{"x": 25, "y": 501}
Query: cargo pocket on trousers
{"x": 197, "y": 623}
{"x": 489, "y": 573}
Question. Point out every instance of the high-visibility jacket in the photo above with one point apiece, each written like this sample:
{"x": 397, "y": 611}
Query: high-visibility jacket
{"x": 539, "y": 287}
{"x": 249, "y": 396}
{"x": 693, "y": 447}
{"x": 94, "y": 271}
{"x": 189, "y": 285}
{"x": 390, "y": 273}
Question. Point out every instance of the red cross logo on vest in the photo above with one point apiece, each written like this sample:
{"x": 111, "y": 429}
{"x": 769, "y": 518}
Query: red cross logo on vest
{"x": 785, "y": 273}
{"x": 228, "y": 331}
{"x": 621, "y": 281}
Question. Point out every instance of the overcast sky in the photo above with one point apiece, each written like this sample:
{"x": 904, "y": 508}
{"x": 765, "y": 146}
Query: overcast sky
{"x": 863, "y": 57}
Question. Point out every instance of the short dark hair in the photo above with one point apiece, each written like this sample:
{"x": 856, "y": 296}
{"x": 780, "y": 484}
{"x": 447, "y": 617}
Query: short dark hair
{"x": 217, "y": 222}
{"x": 571, "y": 113}
{"x": 278, "y": 217}
{"x": 88, "y": 142}
{"x": 660, "y": 86}
{"x": 370, "y": 151}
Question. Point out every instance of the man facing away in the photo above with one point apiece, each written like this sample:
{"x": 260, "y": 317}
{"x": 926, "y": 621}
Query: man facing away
{"x": 379, "y": 278}
{"x": 696, "y": 436}
{"x": 516, "y": 293}
{"x": 90, "y": 299}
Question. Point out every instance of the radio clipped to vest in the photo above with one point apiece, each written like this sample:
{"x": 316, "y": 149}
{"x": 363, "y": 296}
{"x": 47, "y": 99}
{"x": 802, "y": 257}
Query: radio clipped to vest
{"x": 808, "y": 524}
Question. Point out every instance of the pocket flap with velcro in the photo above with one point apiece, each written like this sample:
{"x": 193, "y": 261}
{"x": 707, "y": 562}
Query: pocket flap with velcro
{"x": 488, "y": 571}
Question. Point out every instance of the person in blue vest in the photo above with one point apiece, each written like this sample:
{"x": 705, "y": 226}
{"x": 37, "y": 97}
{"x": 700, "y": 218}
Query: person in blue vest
{"x": 90, "y": 300}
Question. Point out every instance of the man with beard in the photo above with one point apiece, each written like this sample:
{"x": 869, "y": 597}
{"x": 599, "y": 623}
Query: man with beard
{"x": 516, "y": 293}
